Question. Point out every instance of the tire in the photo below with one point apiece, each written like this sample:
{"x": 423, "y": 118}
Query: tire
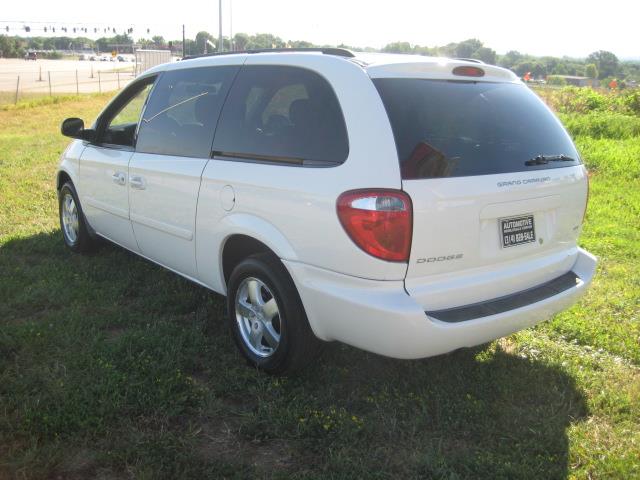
{"x": 72, "y": 222}
{"x": 267, "y": 319}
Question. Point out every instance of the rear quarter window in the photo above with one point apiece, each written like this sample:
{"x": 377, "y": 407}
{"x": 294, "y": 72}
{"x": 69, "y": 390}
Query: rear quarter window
{"x": 282, "y": 114}
{"x": 461, "y": 128}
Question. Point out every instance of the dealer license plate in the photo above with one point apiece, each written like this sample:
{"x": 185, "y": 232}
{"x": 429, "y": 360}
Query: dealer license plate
{"x": 517, "y": 231}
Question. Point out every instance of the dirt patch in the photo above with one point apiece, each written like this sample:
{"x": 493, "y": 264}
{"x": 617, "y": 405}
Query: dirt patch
{"x": 77, "y": 465}
{"x": 113, "y": 333}
{"x": 221, "y": 440}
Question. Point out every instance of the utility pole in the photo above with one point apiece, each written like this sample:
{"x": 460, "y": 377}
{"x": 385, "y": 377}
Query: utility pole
{"x": 184, "y": 51}
{"x": 231, "y": 25}
{"x": 219, "y": 25}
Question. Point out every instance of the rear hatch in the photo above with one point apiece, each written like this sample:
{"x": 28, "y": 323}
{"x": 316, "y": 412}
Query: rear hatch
{"x": 497, "y": 186}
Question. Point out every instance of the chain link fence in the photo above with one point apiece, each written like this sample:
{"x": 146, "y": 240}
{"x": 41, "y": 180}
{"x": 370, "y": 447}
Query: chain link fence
{"x": 27, "y": 82}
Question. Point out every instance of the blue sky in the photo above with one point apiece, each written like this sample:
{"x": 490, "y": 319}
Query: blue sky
{"x": 540, "y": 27}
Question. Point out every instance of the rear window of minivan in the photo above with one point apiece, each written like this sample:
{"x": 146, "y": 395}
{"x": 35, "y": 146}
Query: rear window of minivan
{"x": 459, "y": 128}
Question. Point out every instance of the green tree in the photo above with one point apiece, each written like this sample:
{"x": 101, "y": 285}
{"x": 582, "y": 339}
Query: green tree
{"x": 145, "y": 43}
{"x": 105, "y": 44}
{"x": 62, "y": 43}
{"x": 538, "y": 69}
{"x": 299, "y": 44}
{"x": 606, "y": 62}
{"x": 49, "y": 43}
{"x": 240, "y": 41}
{"x": 398, "y": 47}
{"x": 591, "y": 70}
{"x": 510, "y": 59}
{"x": 159, "y": 41}
{"x": 9, "y": 46}
{"x": 485, "y": 54}
{"x": 265, "y": 40}
{"x": 418, "y": 50}
{"x": 201, "y": 42}
{"x": 523, "y": 67}
{"x": 467, "y": 48}
{"x": 36, "y": 43}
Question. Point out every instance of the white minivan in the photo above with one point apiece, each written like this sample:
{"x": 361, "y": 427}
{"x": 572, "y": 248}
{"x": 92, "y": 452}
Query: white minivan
{"x": 406, "y": 205}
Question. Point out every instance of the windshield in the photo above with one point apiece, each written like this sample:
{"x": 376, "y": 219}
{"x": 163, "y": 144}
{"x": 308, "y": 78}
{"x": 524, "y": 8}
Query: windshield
{"x": 459, "y": 128}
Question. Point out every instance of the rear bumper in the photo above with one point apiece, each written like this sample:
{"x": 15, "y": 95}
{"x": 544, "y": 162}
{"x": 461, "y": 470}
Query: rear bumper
{"x": 379, "y": 316}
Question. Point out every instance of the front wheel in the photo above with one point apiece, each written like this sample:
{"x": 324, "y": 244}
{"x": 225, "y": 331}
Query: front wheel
{"x": 72, "y": 222}
{"x": 267, "y": 318}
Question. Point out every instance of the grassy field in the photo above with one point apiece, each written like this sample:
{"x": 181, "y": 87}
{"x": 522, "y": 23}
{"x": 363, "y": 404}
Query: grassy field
{"x": 111, "y": 367}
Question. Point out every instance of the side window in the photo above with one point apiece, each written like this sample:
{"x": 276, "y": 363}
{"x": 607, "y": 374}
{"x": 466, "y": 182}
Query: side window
{"x": 182, "y": 113}
{"x": 282, "y": 114}
{"x": 280, "y": 104}
{"x": 120, "y": 129}
{"x": 253, "y": 100}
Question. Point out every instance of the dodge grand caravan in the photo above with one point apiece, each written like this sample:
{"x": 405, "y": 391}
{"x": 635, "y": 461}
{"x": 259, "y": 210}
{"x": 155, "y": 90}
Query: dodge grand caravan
{"x": 405, "y": 205}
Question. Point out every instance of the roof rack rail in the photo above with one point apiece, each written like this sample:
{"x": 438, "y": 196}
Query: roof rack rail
{"x": 340, "y": 52}
{"x": 474, "y": 60}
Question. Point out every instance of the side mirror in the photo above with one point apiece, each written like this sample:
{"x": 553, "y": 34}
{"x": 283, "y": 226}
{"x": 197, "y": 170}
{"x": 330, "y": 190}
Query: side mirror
{"x": 74, "y": 128}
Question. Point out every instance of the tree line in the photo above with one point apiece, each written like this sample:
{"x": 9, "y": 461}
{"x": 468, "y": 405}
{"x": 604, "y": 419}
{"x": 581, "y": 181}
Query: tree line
{"x": 601, "y": 64}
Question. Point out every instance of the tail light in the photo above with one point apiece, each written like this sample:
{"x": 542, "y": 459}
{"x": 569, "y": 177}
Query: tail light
{"x": 378, "y": 221}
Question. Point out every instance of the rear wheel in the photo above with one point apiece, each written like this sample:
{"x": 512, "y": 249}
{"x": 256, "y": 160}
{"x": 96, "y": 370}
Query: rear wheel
{"x": 267, "y": 318}
{"x": 72, "y": 222}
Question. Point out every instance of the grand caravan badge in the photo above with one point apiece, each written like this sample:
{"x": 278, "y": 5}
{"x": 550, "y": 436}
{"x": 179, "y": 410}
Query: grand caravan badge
{"x": 525, "y": 181}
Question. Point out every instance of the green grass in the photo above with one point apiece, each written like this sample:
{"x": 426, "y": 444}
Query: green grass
{"x": 602, "y": 125}
{"x": 587, "y": 100}
{"x": 41, "y": 99}
{"x": 112, "y": 367}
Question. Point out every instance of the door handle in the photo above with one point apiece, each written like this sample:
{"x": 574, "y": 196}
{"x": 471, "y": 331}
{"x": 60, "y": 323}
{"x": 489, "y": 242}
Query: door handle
{"x": 137, "y": 182}
{"x": 119, "y": 177}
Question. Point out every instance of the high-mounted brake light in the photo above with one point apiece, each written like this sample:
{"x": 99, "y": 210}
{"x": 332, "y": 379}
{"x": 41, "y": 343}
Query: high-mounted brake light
{"x": 468, "y": 71}
{"x": 378, "y": 221}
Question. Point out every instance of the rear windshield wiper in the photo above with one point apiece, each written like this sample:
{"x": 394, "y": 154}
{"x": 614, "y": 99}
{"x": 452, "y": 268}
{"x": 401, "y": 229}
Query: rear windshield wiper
{"x": 544, "y": 159}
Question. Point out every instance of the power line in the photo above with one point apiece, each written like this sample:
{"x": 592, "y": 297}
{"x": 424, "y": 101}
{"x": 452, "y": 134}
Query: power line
{"x": 80, "y": 28}
{"x": 58, "y": 22}
{"x": 93, "y": 30}
{"x": 58, "y": 30}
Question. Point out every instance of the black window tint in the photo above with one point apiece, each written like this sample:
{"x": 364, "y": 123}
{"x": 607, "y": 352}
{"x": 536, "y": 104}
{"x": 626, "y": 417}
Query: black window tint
{"x": 280, "y": 113}
{"x": 183, "y": 110}
{"x": 453, "y": 128}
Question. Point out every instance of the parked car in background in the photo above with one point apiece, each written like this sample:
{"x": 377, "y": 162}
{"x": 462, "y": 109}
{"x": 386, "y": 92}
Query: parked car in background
{"x": 31, "y": 56}
{"x": 405, "y": 205}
